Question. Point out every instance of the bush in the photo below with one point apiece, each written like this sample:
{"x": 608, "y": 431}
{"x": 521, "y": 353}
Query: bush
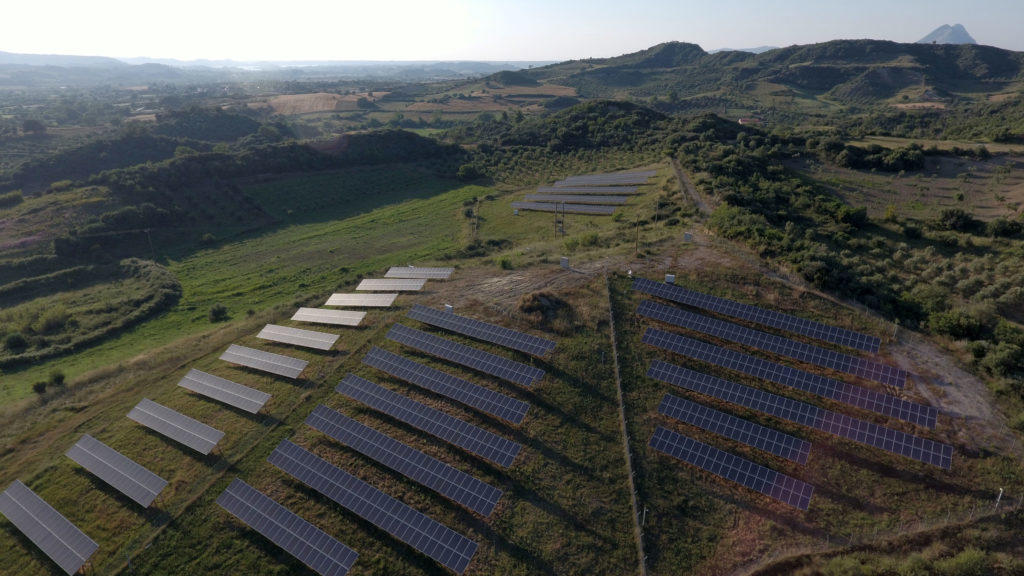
{"x": 39, "y": 387}
{"x": 15, "y": 342}
{"x": 955, "y": 323}
{"x": 955, "y": 219}
{"x": 57, "y": 378}
{"x": 218, "y": 313}
{"x": 970, "y": 562}
{"x": 1003, "y": 228}
{"x": 11, "y": 199}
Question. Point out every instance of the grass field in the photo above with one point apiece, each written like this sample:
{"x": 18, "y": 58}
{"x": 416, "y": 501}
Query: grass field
{"x": 894, "y": 142}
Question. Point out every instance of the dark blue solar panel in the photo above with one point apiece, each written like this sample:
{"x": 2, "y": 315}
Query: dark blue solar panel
{"x": 515, "y": 372}
{"x": 427, "y": 470}
{"x": 457, "y": 389}
{"x": 423, "y": 533}
{"x": 745, "y": 431}
{"x": 771, "y": 318}
{"x": 794, "y": 378}
{"x": 311, "y": 545}
{"x": 863, "y": 432}
{"x": 482, "y": 330}
{"x": 773, "y": 484}
{"x": 485, "y": 444}
{"x": 777, "y": 344}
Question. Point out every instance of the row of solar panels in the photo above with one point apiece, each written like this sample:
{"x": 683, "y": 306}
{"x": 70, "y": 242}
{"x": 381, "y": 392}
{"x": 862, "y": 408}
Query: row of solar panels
{"x": 595, "y": 194}
{"x": 749, "y": 474}
{"x": 66, "y": 544}
{"x": 449, "y": 548}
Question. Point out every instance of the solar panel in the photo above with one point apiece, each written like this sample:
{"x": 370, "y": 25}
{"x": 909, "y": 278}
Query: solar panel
{"x": 423, "y": 533}
{"x": 392, "y": 284}
{"x": 335, "y": 317}
{"x": 777, "y": 344}
{"x": 566, "y": 208}
{"x": 446, "y": 480}
{"x": 58, "y": 538}
{"x": 771, "y": 318}
{"x": 599, "y": 190}
{"x": 419, "y": 272}
{"x": 307, "y": 543}
{"x": 471, "y": 438}
{"x": 776, "y": 485}
{"x": 362, "y": 300}
{"x": 176, "y": 426}
{"x": 226, "y": 391}
{"x": 577, "y": 199}
{"x": 608, "y": 179}
{"x": 266, "y": 361}
{"x": 116, "y": 469}
{"x": 445, "y": 384}
{"x": 822, "y": 386}
{"x": 515, "y": 372}
{"x": 738, "y": 429}
{"x": 298, "y": 337}
{"x": 863, "y": 432}
{"x": 482, "y": 330}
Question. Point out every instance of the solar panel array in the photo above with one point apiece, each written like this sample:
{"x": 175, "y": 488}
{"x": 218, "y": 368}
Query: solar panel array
{"x": 223, "y": 390}
{"x": 611, "y": 179}
{"x": 335, "y": 317}
{"x": 598, "y": 190}
{"x": 392, "y": 284}
{"x": 362, "y": 300}
{"x": 566, "y": 208}
{"x": 58, "y": 538}
{"x": 482, "y": 330}
{"x": 419, "y": 272}
{"x": 515, "y": 372}
{"x": 761, "y": 316}
{"x": 577, "y": 198}
{"x": 471, "y": 438}
{"x": 772, "y": 343}
{"x": 116, "y": 469}
{"x": 266, "y": 361}
{"x": 863, "y": 432}
{"x": 427, "y": 470}
{"x": 794, "y": 378}
{"x": 298, "y": 337}
{"x": 176, "y": 426}
{"x": 309, "y": 544}
{"x": 745, "y": 431}
{"x": 776, "y": 485}
{"x": 423, "y": 533}
{"x": 453, "y": 387}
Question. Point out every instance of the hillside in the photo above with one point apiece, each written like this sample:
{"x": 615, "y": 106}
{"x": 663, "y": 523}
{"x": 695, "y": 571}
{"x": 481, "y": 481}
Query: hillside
{"x": 843, "y": 70}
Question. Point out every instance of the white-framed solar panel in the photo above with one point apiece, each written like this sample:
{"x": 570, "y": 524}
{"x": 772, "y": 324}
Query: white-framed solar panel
{"x": 176, "y": 426}
{"x": 383, "y": 300}
{"x": 298, "y": 337}
{"x": 429, "y": 273}
{"x": 224, "y": 390}
{"x": 599, "y": 190}
{"x": 332, "y": 317}
{"x": 266, "y": 361}
{"x": 117, "y": 470}
{"x": 48, "y": 529}
{"x": 392, "y": 284}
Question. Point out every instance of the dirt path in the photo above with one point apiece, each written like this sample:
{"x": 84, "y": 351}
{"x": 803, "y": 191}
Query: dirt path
{"x": 625, "y": 436}
{"x": 687, "y": 186}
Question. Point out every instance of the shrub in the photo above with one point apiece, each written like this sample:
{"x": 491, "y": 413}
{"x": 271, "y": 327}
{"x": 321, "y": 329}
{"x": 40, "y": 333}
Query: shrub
{"x": 955, "y": 219}
{"x": 15, "y": 342}
{"x": 218, "y": 313}
{"x": 970, "y": 562}
{"x": 955, "y": 323}
{"x": 1003, "y": 228}
{"x": 39, "y": 387}
{"x": 11, "y": 199}
{"x": 506, "y": 263}
{"x": 57, "y": 378}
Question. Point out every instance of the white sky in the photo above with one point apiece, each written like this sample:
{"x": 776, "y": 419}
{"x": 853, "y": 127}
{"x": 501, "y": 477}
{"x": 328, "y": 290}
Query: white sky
{"x": 475, "y": 29}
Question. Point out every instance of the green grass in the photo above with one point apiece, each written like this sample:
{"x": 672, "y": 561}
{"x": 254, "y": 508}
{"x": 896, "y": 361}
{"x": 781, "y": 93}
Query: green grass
{"x": 293, "y": 264}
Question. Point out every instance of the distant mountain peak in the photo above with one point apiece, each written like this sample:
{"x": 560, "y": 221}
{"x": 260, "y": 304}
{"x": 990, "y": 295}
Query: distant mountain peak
{"x": 946, "y": 34}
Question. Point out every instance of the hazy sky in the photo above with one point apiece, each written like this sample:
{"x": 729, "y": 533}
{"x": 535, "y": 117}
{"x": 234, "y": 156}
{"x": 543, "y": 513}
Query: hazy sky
{"x": 475, "y": 29}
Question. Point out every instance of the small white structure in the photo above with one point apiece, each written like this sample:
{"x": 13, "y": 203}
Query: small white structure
{"x": 564, "y": 262}
{"x": 448, "y": 308}
{"x": 670, "y": 278}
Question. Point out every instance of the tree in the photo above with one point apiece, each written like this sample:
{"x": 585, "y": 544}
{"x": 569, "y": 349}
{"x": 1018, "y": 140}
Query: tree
{"x": 34, "y": 126}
